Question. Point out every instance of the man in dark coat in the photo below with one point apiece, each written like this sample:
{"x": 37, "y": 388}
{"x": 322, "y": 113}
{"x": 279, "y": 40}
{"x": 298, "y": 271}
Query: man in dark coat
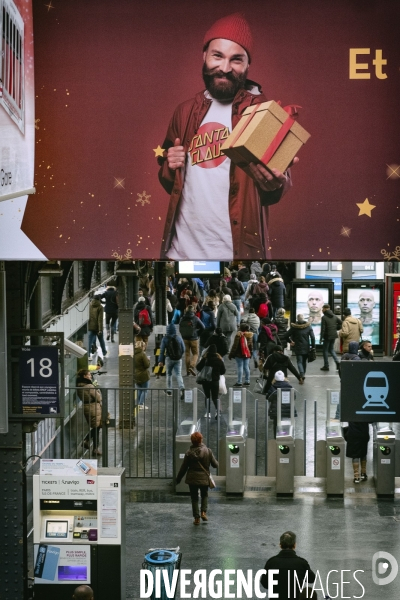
{"x": 220, "y": 340}
{"x": 237, "y": 291}
{"x": 301, "y": 338}
{"x": 330, "y": 324}
{"x": 357, "y": 438}
{"x": 289, "y": 565}
{"x": 365, "y": 352}
{"x": 277, "y": 292}
{"x": 278, "y": 361}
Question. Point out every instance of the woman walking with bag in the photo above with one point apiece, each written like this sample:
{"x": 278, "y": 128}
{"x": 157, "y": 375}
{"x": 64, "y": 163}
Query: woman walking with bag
{"x": 211, "y": 388}
{"x": 196, "y": 466}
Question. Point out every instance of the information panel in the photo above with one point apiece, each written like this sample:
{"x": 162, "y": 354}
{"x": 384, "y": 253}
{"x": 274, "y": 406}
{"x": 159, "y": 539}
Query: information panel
{"x": 38, "y": 369}
{"x": 370, "y": 391}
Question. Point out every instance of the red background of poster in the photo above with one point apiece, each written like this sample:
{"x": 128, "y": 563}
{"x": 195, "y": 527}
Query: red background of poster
{"x": 109, "y": 75}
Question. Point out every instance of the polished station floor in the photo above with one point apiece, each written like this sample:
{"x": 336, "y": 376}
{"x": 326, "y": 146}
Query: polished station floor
{"x": 337, "y": 536}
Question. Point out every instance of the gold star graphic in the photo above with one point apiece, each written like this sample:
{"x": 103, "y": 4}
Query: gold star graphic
{"x": 143, "y": 198}
{"x": 158, "y": 151}
{"x": 393, "y": 171}
{"x": 365, "y": 208}
{"x": 119, "y": 182}
{"x": 345, "y": 231}
{"x": 49, "y": 6}
{"x": 36, "y": 123}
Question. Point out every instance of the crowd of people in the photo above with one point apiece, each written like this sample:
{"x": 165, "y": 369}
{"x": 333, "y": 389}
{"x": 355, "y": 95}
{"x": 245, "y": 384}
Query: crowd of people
{"x": 240, "y": 317}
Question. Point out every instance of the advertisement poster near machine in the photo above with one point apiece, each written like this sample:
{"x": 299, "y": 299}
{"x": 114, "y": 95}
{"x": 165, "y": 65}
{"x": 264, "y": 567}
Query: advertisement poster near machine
{"x": 345, "y": 186}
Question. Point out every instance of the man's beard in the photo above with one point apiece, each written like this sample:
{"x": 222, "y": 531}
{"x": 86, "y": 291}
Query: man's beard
{"x": 223, "y": 90}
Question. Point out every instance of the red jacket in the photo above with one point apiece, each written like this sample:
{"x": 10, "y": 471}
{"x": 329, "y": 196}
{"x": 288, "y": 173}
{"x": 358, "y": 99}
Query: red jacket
{"x": 248, "y": 205}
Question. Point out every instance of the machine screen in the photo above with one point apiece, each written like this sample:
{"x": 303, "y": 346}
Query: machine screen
{"x": 57, "y": 529}
{"x": 72, "y": 573}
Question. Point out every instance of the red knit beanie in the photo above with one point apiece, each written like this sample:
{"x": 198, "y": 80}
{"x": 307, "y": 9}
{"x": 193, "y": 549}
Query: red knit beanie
{"x": 234, "y": 28}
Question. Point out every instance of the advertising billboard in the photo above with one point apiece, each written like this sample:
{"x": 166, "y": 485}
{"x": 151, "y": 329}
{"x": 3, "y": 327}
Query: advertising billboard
{"x": 17, "y": 127}
{"x": 366, "y": 301}
{"x": 308, "y": 300}
{"x": 120, "y": 91}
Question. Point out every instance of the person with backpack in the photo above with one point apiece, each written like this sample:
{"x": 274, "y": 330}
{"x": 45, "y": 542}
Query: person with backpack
{"x": 142, "y": 316}
{"x": 189, "y": 327}
{"x": 220, "y": 341}
{"x": 241, "y": 350}
{"x": 211, "y": 358}
{"x": 171, "y": 351}
{"x": 262, "y": 306}
{"x": 207, "y": 317}
{"x": 267, "y": 337}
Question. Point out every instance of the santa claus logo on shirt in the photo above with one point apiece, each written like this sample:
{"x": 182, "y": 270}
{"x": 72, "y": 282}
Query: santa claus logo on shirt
{"x": 205, "y": 147}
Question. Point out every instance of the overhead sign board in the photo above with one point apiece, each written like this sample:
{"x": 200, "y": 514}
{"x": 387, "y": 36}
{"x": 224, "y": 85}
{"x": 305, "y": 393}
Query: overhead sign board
{"x": 39, "y": 380}
{"x": 370, "y": 391}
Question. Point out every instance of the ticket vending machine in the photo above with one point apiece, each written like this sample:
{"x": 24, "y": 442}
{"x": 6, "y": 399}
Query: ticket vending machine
{"x": 78, "y": 529}
{"x": 384, "y": 460}
{"x": 188, "y": 423}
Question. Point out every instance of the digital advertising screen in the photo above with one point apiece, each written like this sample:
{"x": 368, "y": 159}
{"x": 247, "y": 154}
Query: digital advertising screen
{"x": 365, "y": 304}
{"x": 131, "y": 117}
{"x": 308, "y": 301}
{"x": 366, "y": 301}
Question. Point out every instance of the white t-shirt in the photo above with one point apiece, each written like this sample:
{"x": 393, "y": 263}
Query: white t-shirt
{"x": 202, "y": 224}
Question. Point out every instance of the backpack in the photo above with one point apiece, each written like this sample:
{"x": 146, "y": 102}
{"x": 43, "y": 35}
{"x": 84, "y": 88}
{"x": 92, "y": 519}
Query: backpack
{"x": 144, "y": 318}
{"x": 174, "y": 349}
{"x": 186, "y": 328}
{"x": 205, "y": 319}
{"x": 262, "y": 310}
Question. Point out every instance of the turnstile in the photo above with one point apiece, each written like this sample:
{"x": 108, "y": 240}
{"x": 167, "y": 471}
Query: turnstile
{"x": 237, "y": 450}
{"x": 188, "y": 424}
{"x": 331, "y": 452}
{"x": 286, "y": 458}
{"x": 285, "y": 445}
{"x": 384, "y": 459}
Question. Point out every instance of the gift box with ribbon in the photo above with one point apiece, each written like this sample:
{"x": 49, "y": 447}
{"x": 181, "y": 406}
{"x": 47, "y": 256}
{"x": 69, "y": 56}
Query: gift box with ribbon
{"x": 267, "y": 134}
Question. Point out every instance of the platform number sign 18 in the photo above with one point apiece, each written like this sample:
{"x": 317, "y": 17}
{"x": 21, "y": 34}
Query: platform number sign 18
{"x": 39, "y": 380}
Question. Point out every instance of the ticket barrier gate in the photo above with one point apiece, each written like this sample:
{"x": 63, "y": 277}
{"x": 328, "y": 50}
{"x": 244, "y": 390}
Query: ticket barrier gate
{"x": 331, "y": 452}
{"x": 78, "y": 529}
{"x": 384, "y": 460}
{"x": 188, "y": 425}
{"x": 236, "y": 450}
{"x": 285, "y": 453}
